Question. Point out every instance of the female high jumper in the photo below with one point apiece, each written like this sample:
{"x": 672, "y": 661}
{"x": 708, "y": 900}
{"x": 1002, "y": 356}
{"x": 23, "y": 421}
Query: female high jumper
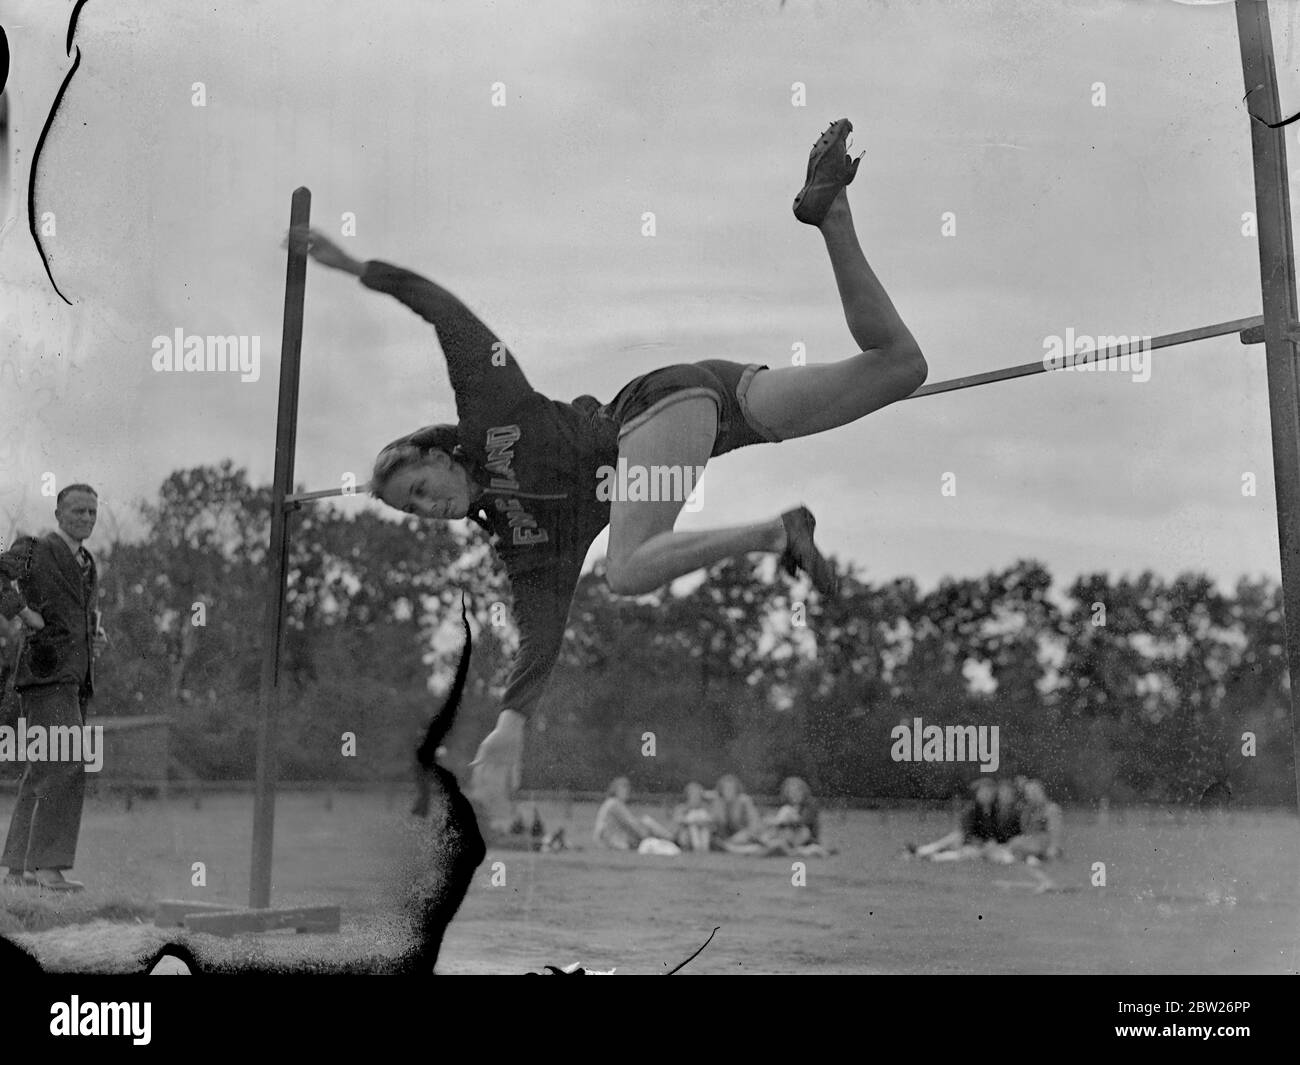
{"x": 526, "y": 468}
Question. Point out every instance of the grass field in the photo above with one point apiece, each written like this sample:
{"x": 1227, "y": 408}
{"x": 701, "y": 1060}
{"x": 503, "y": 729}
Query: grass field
{"x": 1185, "y": 893}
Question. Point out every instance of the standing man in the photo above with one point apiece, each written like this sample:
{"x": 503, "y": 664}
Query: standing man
{"x": 57, "y": 588}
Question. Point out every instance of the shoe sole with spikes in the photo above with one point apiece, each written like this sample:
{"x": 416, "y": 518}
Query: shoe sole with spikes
{"x": 830, "y": 169}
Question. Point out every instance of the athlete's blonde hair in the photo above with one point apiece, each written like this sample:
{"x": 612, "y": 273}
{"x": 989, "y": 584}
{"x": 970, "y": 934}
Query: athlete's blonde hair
{"x": 410, "y": 450}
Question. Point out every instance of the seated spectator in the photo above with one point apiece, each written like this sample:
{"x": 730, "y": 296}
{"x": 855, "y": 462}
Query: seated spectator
{"x": 796, "y": 793}
{"x": 693, "y": 820}
{"x": 620, "y": 829}
{"x": 796, "y": 827}
{"x": 976, "y": 828}
{"x": 1006, "y": 823}
{"x": 1040, "y": 825}
{"x": 1006, "y": 812}
{"x": 737, "y": 826}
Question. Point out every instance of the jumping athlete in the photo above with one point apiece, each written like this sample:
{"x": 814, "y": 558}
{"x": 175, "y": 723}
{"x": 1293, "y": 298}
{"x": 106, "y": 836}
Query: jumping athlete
{"x": 527, "y": 468}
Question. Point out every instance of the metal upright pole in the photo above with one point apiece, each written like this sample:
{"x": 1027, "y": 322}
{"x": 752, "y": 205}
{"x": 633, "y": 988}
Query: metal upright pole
{"x": 286, "y": 435}
{"x": 1281, "y": 314}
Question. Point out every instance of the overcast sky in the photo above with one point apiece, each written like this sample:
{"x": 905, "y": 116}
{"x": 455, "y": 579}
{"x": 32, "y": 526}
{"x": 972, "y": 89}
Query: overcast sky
{"x": 1117, "y": 219}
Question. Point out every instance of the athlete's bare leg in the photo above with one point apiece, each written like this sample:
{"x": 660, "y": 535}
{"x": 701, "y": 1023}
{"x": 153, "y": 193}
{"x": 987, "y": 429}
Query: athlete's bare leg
{"x": 645, "y": 552}
{"x": 803, "y": 400}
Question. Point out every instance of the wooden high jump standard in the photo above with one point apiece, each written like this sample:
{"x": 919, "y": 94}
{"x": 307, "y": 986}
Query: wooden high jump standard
{"x": 1281, "y": 314}
{"x": 277, "y": 559}
{"x": 216, "y": 918}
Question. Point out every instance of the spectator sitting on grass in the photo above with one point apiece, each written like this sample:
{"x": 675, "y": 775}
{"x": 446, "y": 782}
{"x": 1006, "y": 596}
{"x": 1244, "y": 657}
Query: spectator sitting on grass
{"x": 1041, "y": 825}
{"x": 796, "y": 827}
{"x": 977, "y": 827}
{"x": 1006, "y": 823}
{"x": 737, "y": 826}
{"x": 620, "y": 829}
{"x": 693, "y": 820}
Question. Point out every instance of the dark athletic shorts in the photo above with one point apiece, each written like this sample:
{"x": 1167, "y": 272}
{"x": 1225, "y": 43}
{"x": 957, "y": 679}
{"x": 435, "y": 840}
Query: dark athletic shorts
{"x": 726, "y": 383}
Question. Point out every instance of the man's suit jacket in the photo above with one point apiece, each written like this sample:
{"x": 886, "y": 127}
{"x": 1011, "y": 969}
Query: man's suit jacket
{"x": 50, "y": 582}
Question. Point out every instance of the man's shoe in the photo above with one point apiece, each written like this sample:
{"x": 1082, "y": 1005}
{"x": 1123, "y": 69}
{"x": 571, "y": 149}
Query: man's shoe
{"x": 829, "y": 170}
{"x": 802, "y": 554}
{"x": 54, "y": 880}
{"x": 16, "y": 879}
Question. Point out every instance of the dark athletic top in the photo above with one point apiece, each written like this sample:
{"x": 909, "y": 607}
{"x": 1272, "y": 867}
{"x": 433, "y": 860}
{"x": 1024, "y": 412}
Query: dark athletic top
{"x": 537, "y": 461}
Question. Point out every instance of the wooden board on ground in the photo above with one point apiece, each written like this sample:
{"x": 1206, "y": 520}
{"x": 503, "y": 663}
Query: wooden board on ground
{"x": 233, "y": 922}
{"x": 172, "y": 912}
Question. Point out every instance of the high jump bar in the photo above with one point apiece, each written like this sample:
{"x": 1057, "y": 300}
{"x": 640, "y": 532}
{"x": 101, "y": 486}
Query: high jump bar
{"x": 298, "y": 498}
{"x": 1249, "y": 330}
{"x": 1246, "y": 328}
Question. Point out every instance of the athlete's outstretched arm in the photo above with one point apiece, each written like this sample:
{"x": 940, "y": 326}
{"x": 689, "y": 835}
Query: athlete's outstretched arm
{"x": 484, "y": 375}
{"x": 541, "y": 608}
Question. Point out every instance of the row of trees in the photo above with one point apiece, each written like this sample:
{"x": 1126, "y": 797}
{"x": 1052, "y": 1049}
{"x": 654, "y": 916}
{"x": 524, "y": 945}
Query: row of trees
{"x": 1142, "y": 688}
